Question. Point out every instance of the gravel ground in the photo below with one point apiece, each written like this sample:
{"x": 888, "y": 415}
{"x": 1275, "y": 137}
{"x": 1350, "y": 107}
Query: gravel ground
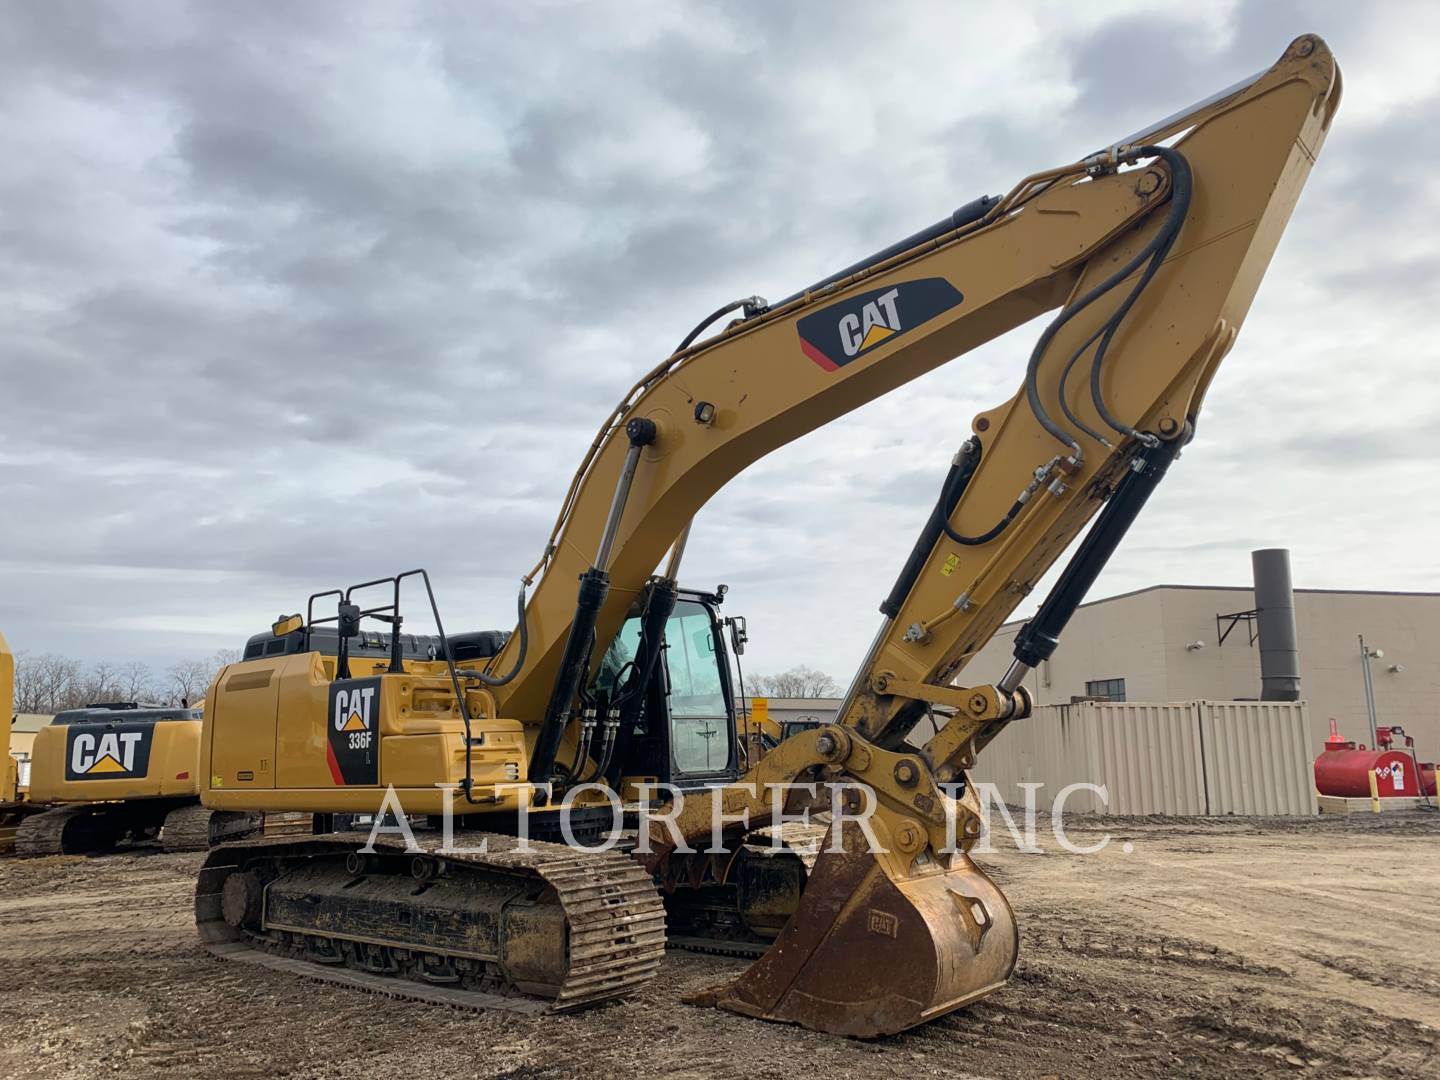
{"x": 1213, "y": 948}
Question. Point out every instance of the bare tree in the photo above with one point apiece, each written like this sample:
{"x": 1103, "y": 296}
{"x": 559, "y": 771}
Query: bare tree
{"x": 798, "y": 682}
{"x": 49, "y": 683}
{"x": 46, "y": 683}
{"x": 188, "y": 681}
{"x": 135, "y": 682}
{"x": 100, "y": 683}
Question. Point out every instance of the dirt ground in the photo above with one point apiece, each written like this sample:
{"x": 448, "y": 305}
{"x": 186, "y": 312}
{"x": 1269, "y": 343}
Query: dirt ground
{"x": 1213, "y": 948}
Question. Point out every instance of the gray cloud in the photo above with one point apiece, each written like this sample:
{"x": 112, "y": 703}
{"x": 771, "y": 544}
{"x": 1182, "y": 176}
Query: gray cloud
{"x": 295, "y": 295}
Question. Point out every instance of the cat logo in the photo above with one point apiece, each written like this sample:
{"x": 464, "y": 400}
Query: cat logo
{"x": 352, "y": 708}
{"x": 840, "y": 333}
{"x": 882, "y": 923}
{"x": 353, "y": 750}
{"x": 877, "y": 320}
{"x": 118, "y": 752}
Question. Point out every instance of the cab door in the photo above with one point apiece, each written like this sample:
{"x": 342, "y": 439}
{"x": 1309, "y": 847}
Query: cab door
{"x": 698, "y": 697}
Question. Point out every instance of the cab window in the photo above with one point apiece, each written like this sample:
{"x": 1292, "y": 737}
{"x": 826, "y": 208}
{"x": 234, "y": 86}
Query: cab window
{"x": 699, "y": 729}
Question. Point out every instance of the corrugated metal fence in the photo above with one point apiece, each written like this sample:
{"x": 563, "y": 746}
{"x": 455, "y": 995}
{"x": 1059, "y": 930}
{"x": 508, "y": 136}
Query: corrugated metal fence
{"x": 1182, "y": 758}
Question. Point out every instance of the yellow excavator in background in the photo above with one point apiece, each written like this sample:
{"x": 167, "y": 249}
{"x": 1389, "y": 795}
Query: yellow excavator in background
{"x": 120, "y": 775}
{"x": 109, "y": 776}
{"x": 1152, "y": 250}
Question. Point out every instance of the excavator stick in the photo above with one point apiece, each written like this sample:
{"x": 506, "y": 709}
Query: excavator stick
{"x": 879, "y": 944}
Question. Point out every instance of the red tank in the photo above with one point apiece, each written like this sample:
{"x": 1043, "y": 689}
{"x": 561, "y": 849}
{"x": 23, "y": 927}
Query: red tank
{"x": 1343, "y": 769}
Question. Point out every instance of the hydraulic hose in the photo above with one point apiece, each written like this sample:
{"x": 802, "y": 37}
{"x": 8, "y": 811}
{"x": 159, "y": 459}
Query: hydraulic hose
{"x": 990, "y": 533}
{"x": 955, "y": 484}
{"x": 1155, "y": 250}
{"x": 961, "y": 469}
{"x": 1182, "y": 186}
{"x": 1065, "y": 378}
{"x": 523, "y": 631}
{"x": 751, "y": 304}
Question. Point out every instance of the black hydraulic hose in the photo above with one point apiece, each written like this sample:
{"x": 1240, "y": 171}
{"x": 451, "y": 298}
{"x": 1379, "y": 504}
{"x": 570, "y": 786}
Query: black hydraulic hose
{"x": 523, "y": 631}
{"x": 585, "y": 692}
{"x": 1065, "y": 378}
{"x": 961, "y": 469}
{"x": 751, "y": 304}
{"x": 1182, "y": 186}
{"x": 990, "y": 533}
{"x": 609, "y": 731}
{"x": 955, "y": 485}
{"x": 973, "y": 211}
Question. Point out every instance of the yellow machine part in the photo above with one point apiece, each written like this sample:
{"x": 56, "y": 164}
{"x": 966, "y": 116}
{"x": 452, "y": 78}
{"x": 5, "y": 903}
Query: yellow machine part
{"x": 279, "y": 736}
{"x": 83, "y": 763}
{"x": 10, "y": 772}
{"x": 10, "y": 794}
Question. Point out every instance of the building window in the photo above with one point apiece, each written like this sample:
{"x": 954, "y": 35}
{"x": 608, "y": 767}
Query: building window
{"x": 1105, "y": 689}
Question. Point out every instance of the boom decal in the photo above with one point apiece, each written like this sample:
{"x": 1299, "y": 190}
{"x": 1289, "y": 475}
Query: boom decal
{"x": 840, "y": 333}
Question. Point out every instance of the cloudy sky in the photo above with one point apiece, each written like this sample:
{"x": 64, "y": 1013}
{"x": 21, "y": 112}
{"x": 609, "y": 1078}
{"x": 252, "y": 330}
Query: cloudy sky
{"x": 296, "y": 295}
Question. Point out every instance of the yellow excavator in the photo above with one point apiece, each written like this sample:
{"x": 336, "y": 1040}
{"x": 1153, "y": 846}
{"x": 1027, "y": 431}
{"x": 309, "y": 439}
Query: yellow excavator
{"x": 120, "y": 775}
{"x": 1151, "y": 249}
{"x": 13, "y": 798}
{"x": 110, "y": 776}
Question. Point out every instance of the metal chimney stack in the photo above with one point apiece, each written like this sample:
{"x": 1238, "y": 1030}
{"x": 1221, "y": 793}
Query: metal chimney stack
{"x": 1275, "y": 613}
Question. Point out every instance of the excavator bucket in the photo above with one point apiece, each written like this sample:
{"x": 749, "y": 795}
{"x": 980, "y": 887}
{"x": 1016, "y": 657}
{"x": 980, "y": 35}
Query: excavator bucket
{"x": 879, "y": 943}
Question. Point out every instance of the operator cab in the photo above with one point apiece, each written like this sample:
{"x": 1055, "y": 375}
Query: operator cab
{"x": 686, "y": 732}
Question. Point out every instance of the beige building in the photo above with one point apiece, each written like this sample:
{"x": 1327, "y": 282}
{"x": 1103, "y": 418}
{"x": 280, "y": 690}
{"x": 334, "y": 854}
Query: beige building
{"x": 1163, "y": 644}
{"x": 22, "y": 738}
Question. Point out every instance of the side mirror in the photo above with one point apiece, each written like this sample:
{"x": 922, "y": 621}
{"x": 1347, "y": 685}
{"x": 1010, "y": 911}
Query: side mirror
{"x": 739, "y": 634}
{"x": 349, "y": 622}
{"x": 286, "y": 624}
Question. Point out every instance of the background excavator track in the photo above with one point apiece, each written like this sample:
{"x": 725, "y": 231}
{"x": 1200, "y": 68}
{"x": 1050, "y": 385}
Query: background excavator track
{"x": 195, "y": 828}
{"x": 69, "y": 830}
